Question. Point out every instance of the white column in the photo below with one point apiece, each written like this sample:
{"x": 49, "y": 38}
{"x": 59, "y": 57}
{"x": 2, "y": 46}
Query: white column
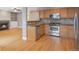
{"x": 24, "y": 23}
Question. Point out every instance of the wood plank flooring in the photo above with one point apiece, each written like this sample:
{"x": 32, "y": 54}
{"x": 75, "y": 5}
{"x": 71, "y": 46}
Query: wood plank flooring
{"x": 45, "y": 43}
{"x": 50, "y": 43}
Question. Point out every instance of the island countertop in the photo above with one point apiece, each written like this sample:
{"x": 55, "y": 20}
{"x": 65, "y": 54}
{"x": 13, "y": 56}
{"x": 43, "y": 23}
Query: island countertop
{"x": 36, "y": 24}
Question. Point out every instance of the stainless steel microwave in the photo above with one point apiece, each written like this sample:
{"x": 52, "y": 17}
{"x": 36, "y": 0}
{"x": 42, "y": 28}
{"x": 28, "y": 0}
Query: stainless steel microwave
{"x": 55, "y": 16}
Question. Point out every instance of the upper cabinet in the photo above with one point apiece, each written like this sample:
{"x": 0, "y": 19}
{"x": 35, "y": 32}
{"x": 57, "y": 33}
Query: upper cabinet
{"x": 32, "y": 14}
{"x": 56, "y": 10}
{"x": 46, "y": 13}
{"x": 63, "y": 12}
{"x": 70, "y": 12}
{"x": 41, "y": 13}
{"x": 67, "y": 12}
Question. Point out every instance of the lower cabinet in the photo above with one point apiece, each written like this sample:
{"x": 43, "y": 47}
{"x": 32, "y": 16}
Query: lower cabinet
{"x": 67, "y": 32}
{"x": 42, "y": 30}
{"x": 63, "y": 31}
{"x": 31, "y": 33}
{"x": 35, "y": 32}
{"x": 46, "y": 29}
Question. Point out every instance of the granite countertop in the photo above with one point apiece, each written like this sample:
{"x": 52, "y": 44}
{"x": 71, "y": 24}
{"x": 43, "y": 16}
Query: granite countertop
{"x": 36, "y": 24}
{"x": 63, "y": 22}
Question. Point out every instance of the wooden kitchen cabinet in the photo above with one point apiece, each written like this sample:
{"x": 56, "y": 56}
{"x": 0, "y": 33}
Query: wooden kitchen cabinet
{"x": 46, "y": 13}
{"x": 57, "y": 10}
{"x": 31, "y": 33}
{"x": 51, "y": 11}
{"x": 67, "y": 32}
{"x": 41, "y": 14}
{"x": 63, "y": 12}
{"x": 70, "y": 12}
{"x": 35, "y": 32}
{"x": 70, "y": 32}
{"x": 63, "y": 31}
{"x": 46, "y": 29}
{"x": 67, "y": 12}
{"x": 33, "y": 16}
{"x": 42, "y": 30}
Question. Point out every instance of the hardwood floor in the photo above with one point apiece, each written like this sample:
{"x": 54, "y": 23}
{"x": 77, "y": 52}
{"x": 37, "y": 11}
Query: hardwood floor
{"x": 45, "y": 43}
{"x": 9, "y": 39}
{"x": 50, "y": 43}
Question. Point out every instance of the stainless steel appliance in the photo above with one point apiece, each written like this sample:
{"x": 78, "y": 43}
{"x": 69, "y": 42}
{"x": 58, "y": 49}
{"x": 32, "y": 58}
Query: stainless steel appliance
{"x": 54, "y": 30}
{"x": 55, "y": 16}
{"x": 54, "y": 25}
{"x": 76, "y": 29}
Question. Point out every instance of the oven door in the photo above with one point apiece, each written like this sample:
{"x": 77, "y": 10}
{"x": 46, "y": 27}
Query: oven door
{"x": 54, "y": 30}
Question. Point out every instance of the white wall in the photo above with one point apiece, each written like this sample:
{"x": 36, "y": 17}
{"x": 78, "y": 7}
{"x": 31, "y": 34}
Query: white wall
{"x": 5, "y": 15}
{"x": 19, "y": 18}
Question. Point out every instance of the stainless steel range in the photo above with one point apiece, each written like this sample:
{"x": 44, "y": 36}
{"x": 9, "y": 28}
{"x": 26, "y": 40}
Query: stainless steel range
{"x": 54, "y": 25}
{"x": 54, "y": 30}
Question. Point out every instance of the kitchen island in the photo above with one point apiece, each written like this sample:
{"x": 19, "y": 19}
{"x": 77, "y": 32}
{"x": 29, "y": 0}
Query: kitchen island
{"x": 35, "y": 31}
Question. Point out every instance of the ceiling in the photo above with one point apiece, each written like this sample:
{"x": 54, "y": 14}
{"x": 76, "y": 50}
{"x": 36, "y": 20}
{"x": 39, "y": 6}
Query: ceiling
{"x": 11, "y": 9}
{"x": 45, "y": 8}
{"x": 38, "y": 8}
{"x": 31, "y": 8}
{"x": 42, "y": 8}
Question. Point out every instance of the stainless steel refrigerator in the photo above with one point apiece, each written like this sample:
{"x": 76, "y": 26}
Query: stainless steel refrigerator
{"x": 76, "y": 30}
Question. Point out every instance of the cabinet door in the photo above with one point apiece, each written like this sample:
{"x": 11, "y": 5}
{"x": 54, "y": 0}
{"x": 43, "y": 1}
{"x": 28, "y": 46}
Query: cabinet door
{"x": 70, "y": 32}
{"x": 31, "y": 33}
{"x": 51, "y": 11}
{"x": 46, "y": 13}
{"x": 33, "y": 16}
{"x": 70, "y": 12}
{"x": 42, "y": 30}
{"x": 63, "y": 31}
{"x": 46, "y": 29}
{"x": 41, "y": 13}
{"x": 63, "y": 12}
{"x": 67, "y": 32}
{"x": 54, "y": 11}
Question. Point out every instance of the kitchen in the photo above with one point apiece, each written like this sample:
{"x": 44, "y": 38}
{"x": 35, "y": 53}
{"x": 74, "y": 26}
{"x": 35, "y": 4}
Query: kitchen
{"x": 46, "y": 29}
{"x": 52, "y": 22}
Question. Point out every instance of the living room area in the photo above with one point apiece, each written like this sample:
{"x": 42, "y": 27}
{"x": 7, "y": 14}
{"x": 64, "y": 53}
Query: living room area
{"x": 10, "y": 28}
